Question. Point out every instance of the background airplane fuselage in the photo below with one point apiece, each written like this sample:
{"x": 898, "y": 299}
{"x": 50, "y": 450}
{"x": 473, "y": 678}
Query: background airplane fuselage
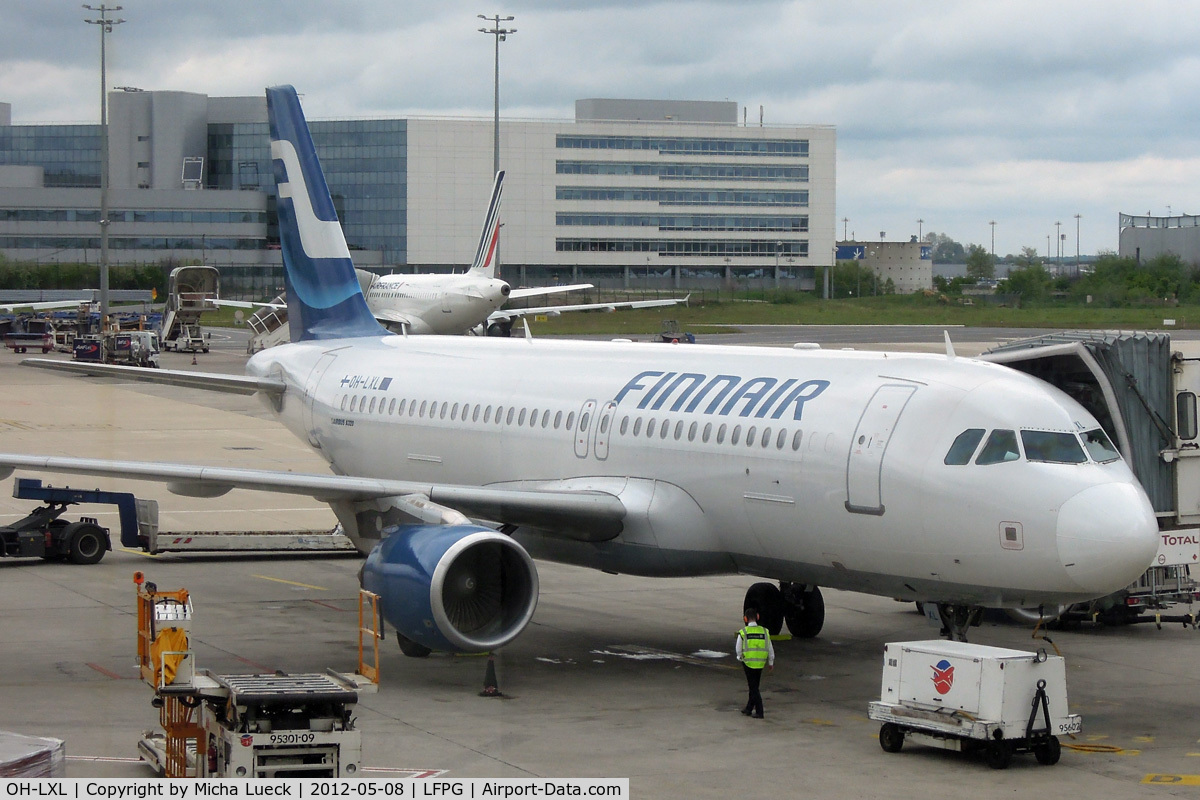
{"x": 790, "y": 498}
{"x": 440, "y": 304}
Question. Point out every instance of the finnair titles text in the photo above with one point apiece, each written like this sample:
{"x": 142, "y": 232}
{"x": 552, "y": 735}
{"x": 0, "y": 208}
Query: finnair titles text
{"x": 760, "y": 398}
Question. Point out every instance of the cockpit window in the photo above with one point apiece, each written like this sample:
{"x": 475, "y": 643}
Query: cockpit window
{"x": 1001, "y": 446}
{"x": 1099, "y": 447}
{"x": 1055, "y": 448}
{"x": 964, "y": 447}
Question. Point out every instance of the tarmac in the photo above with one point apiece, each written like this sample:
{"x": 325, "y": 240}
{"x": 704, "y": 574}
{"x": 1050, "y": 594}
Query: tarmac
{"x": 616, "y": 676}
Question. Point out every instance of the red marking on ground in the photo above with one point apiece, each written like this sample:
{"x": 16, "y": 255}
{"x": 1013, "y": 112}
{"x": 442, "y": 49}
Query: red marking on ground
{"x": 327, "y": 605}
{"x": 109, "y": 673}
{"x": 254, "y": 664}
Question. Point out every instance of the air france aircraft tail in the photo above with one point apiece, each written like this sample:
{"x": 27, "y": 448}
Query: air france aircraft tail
{"x": 485, "y": 254}
{"x": 324, "y": 297}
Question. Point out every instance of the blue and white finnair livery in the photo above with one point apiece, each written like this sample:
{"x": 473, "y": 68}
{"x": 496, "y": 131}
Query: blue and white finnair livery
{"x": 457, "y": 461}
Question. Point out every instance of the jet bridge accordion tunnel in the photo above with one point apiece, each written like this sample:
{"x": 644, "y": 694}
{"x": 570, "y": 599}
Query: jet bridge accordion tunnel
{"x": 455, "y": 588}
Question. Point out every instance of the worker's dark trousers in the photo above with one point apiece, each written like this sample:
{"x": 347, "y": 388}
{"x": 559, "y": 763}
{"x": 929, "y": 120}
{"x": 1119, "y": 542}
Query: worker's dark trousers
{"x": 753, "y": 678}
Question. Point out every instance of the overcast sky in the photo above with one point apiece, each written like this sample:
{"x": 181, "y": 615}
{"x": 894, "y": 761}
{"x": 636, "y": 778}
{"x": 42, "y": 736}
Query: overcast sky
{"x": 957, "y": 113}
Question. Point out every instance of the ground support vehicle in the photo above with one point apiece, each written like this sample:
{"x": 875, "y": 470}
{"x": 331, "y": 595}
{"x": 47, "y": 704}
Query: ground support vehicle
{"x": 1144, "y": 393}
{"x": 191, "y": 291}
{"x": 965, "y": 697}
{"x": 241, "y": 726}
{"x": 43, "y": 535}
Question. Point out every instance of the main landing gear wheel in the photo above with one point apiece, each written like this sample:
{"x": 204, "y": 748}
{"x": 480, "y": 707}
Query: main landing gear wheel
{"x": 410, "y": 648}
{"x": 891, "y": 737}
{"x": 767, "y": 600}
{"x": 803, "y": 610}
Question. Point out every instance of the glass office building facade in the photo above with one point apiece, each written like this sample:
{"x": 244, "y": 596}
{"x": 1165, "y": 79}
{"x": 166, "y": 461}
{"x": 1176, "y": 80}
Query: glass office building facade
{"x": 602, "y": 196}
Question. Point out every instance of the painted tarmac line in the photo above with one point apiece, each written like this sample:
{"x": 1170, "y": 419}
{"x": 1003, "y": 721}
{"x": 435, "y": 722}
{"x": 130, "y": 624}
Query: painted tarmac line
{"x": 291, "y": 583}
{"x": 1172, "y": 780}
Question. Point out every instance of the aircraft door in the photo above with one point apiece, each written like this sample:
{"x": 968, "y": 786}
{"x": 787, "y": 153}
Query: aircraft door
{"x": 310, "y": 392}
{"x": 604, "y": 430}
{"x": 583, "y": 428}
{"x": 864, "y": 465}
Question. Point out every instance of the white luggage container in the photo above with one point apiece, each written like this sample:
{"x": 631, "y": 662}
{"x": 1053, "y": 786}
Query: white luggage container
{"x": 961, "y": 696}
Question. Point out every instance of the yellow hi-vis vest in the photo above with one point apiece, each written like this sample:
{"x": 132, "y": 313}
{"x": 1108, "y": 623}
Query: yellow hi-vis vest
{"x": 754, "y": 646}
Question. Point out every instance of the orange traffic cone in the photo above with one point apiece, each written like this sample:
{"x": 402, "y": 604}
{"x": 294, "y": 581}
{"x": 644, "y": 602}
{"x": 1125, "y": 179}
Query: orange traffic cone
{"x": 193, "y": 359}
{"x": 490, "y": 689}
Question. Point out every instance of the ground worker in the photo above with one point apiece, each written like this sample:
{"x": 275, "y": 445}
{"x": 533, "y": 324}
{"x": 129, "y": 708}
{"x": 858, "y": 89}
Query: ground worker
{"x": 754, "y": 650}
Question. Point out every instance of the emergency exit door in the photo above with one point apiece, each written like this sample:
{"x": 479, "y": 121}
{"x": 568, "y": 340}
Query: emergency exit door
{"x": 864, "y": 466}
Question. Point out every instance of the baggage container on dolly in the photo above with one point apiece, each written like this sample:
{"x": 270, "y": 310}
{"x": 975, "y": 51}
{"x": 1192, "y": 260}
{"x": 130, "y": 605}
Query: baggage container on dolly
{"x": 966, "y": 697}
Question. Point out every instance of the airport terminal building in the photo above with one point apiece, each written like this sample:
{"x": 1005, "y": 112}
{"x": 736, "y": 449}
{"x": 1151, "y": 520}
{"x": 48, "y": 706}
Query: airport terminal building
{"x": 631, "y": 193}
{"x": 1145, "y": 237}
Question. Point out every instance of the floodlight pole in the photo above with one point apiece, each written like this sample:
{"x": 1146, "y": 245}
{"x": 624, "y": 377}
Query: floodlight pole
{"x": 501, "y": 35}
{"x": 106, "y": 25}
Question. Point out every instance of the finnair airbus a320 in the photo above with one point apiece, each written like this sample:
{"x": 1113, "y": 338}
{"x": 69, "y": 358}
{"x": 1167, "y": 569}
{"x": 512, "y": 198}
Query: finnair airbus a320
{"x": 458, "y": 461}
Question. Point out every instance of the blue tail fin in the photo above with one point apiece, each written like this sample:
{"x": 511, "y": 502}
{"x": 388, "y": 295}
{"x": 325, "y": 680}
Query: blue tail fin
{"x": 324, "y": 298}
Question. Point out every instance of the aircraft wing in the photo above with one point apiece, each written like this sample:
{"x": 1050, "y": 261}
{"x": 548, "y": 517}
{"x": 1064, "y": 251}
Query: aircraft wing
{"x": 584, "y": 515}
{"x": 538, "y": 291}
{"x": 392, "y": 316}
{"x": 511, "y": 313}
{"x": 220, "y": 382}
{"x": 245, "y": 304}
{"x": 42, "y": 306}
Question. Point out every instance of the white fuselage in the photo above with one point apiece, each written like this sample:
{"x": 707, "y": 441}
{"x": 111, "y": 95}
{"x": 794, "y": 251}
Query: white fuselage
{"x": 818, "y": 467}
{"x": 442, "y": 304}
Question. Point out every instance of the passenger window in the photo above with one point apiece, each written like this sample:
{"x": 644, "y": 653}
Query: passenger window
{"x": 557, "y": 419}
{"x": 664, "y": 429}
{"x": 1099, "y": 447}
{"x": 546, "y": 418}
{"x": 475, "y": 414}
{"x": 520, "y": 417}
{"x": 1001, "y": 446}
{"x": 964, "y": 447}
{"x": 508, "y": 419}
{"x": 487, "y": 415}
{"x": 533, "y": 419}
{"x": 371, "y": 409}
{"x": 454, "y": 412}
{"x": 344, "y": 399}
{"x": 637, "y": 426}
{"x": 692, "y": 431}
{"x": 392, "y": 407}
{"x": 650, "y": 426}
{"x": 1185, "y": 415}
{"x": 1052, "y": 447}
{"x": 678, "y": 430}
{"x": 624, "y": 425}
{"x": 766, "y": 437}
{"x": 570, "y": 420}
{"x": 707, "y": 432}
{"x": 604, "y": 424}
{"x": 421, "y": 413}
{"x": 721, "y": 434}
{"x": 736, "y": 435}
{"x": 750, "y": 436}
{"x": 445, "y": 407}
{"x": 782, "y": 438}
{"x": 797, "y": 440}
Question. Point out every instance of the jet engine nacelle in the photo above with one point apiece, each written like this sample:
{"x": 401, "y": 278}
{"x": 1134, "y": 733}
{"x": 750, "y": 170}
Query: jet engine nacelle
{"x": 456, "y": 588}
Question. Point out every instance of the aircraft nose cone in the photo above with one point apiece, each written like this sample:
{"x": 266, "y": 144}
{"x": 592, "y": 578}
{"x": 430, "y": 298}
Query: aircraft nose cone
{"x": 1107, "y": 537}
